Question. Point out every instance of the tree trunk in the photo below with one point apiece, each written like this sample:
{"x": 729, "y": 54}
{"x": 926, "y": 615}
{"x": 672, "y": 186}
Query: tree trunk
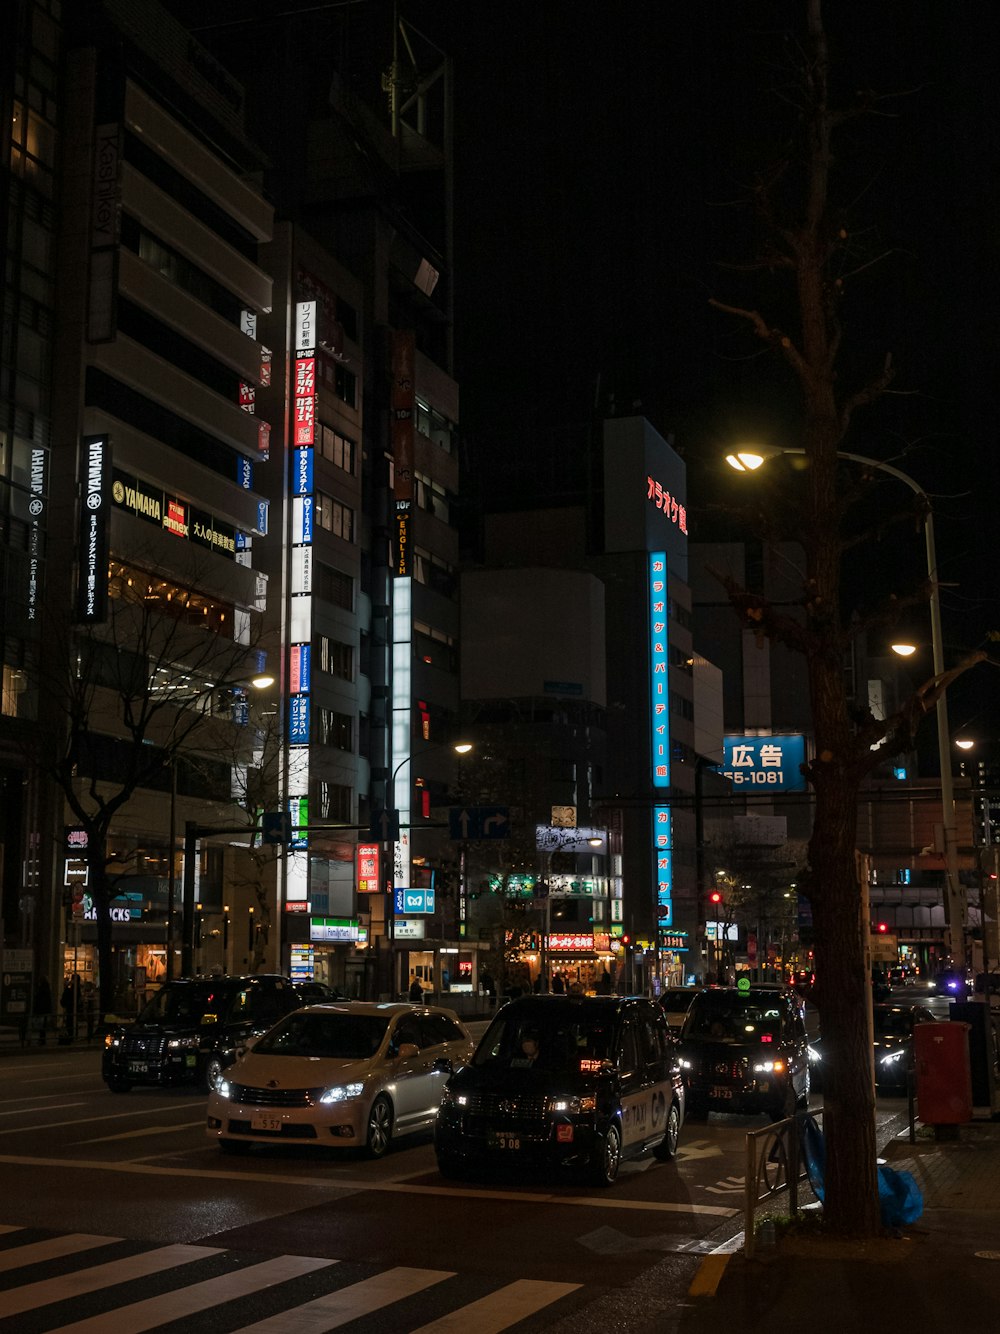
{"x": 850, "y": 1205}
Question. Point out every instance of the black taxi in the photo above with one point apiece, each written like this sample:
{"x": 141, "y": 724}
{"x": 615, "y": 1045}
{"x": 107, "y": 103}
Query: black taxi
{"x": 190, "y": 1029}
{"x": 574, "y": 1082}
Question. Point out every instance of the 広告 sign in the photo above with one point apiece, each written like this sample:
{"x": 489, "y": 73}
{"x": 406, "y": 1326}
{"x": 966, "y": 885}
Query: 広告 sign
{"x": 764, "y": 763}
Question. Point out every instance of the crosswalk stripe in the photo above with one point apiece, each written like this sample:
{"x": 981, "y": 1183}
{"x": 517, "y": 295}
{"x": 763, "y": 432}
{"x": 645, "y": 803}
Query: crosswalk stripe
{"x": 52, "y": 1249}
{"x": 33, "y": 1295}
{"x": 198, "y": 1296}
{"x": 500, "y": 1309}
{"x": 350, "y": 1303}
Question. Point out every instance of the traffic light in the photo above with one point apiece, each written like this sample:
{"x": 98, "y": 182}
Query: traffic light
{"x": 715, "y": 897}
{"x": 882, "y": 928}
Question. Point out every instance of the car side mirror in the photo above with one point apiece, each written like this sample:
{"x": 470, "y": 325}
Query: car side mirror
{"x": 406, "y": 1050}
{"x": 443, "y": 1065}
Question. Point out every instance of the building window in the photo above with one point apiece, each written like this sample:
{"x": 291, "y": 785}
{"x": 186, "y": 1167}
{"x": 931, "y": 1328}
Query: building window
{"x": 431, "y": 496}
{"x": 335, "y": 801}
{"x": 336, "y": 729}
{"x": 336, "y": 658}
{"x": 334, "y": 517}
{"x": 433, "y": 571}
{"x": 431, "y": 423}
{"x": 339, "y": 449}
{"x": 334, "y": 586}
{"x": 345, "y": 386}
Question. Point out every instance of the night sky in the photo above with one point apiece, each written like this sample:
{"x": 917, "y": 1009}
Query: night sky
{"x": 602, "y": 152}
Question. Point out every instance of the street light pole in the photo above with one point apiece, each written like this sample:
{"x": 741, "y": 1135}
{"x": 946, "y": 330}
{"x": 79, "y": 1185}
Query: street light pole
{"x": 750, "y": 459}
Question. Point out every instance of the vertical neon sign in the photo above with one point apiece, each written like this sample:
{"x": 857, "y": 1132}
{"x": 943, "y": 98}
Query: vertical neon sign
{"x": 659, "y": 727}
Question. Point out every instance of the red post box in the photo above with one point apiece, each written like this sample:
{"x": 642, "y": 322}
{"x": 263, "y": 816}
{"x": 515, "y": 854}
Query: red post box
{"x": 944, "y": 1077}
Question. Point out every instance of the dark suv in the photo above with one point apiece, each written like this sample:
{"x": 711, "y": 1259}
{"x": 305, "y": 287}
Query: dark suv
{"x": 569, "y": 1081}
{"x": 744, "y": 1051}
{"x": 188, "y": 1032}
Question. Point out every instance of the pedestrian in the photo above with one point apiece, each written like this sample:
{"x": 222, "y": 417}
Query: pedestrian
{"x": 490, "y": 987}
{"x": 604, "y": 984}
{"x": 70, "y": 1004}
{"x": 538, "y": 984}
{"x": 42, "y": 1008}
{"x": 416, "y": 991}
{"x": 558, "y": 985}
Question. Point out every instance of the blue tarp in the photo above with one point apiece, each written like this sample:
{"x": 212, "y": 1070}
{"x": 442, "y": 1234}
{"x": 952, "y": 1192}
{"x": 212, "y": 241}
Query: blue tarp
{"x": 900, "y": 1198}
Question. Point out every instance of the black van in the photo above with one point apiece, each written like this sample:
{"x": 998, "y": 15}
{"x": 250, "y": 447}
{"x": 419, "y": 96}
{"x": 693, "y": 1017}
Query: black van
{"x": 189, "y": 1030}
{"x": 571, "y": 1081}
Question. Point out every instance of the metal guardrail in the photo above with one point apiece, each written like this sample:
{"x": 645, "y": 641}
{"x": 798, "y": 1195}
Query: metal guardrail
{"x": 773, "y": 1164}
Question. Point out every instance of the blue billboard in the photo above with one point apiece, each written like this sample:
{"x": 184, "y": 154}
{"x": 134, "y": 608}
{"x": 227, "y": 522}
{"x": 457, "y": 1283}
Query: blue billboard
{"x": 764, "y": 763}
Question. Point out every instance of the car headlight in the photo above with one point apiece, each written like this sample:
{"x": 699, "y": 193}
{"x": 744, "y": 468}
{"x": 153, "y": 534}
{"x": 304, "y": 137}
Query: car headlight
{"x": 573, "y": 1106}
{"x": 769, "y": 1067}
{"x": 685, "y": 1064}
{"x": 112, "y": 1040}
{"x": 891, "y": 1057}
{"x": 814, "y": 1056}
{"x": 174, "y": 1043}
{"x": 449, "y": 1098}
{"x": 341, "y": 1093}
{"x": 222, "y": 1088}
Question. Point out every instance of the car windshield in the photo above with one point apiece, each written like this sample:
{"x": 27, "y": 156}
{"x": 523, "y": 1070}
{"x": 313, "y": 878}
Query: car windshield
{"x": 715, "y": 1017}
{"x": 346, "y": 1037}
{"x": 677, "y": 999}
{"x": 893, "y": 1023}
{"x": 199, "y": 1003}
{"x": 546, "y": 1042}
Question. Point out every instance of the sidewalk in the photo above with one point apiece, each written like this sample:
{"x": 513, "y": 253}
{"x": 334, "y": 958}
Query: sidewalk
{"x": 943, "y": 1273}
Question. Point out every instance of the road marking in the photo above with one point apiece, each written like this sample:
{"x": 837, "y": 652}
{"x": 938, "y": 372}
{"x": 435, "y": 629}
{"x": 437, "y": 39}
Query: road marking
{"x": 198, "y": 1297}
{"x": 500, "y": 1309}
{"x": 21, "y": 1111}
{"x": 85, "y": 1120}
{"x": 29, "y": 1298}
{"x": 354, "y": 1187}
{"x": 33, "y": 1252}
{"x": 700, "y": 1148}
{"x": 359, "y": 1299}
{"x": 143, "y": 1131}
{"x": 708, "y": 1276}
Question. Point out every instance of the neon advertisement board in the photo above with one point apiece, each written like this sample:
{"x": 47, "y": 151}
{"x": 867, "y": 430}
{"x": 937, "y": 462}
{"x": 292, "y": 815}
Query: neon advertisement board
{"x": 764, "y": 763}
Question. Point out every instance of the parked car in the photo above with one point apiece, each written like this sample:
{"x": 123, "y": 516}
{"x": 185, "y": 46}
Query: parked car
{"x": 674, "y": 1002}
{"x": 340, "y": 1076}
{"x": 190, "y": 1029}
{"x": 953, "y": 982}
{"x": 317, "y": 993}
{"x": 744, "y": 1052}
{"x": 572, "y": 1082}
{"x": 893, "y": 1038}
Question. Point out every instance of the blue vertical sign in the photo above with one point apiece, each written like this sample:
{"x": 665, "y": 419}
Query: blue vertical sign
{"x": 659, "y": 658}
{"x": 663, "y": 854}
{"x": 298, "y": 720}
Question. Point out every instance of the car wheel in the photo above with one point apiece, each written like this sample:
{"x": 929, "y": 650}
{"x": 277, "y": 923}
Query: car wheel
{"x": 233, "y": 1146}
{"x": 803, "y": 1101}
{"x": 379, "y": 1135}
{"x": 211, "y": 1075}
{"x": 607, "y": 1157}
{"x": 118, "y": 1085}
{"x": 667, "y": 1147}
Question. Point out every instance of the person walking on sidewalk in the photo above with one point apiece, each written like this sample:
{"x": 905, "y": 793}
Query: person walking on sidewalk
{"x": 70, "y": 1003}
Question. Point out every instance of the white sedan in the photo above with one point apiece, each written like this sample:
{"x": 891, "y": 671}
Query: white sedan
{"x": 349, "y": 1075}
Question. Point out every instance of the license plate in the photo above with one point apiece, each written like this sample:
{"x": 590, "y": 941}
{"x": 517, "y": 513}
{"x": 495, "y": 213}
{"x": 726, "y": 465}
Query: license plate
{"x": 260, "y": 1122}
{"x": 720, "y": 1092}
{"x": 504, "y": 1139}
{"x": 138, "y": 1067}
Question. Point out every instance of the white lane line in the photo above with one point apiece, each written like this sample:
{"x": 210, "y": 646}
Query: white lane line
{"x": 34, "y": 1252}
{"x": 197, "y": 1298}
{"x": 85, "y": 1120}
{"x": 23, "y": 1111}
{"x": 332, "y": 1186}
{"x": 500, "y": 1309}
{"x": 143, "y": 1131}
{"x": 33, "y": 1295}
{"x": 360, "y": 1299}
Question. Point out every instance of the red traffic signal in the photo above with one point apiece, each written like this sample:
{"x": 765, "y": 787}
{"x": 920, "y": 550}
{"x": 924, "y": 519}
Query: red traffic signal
{"x": 882, "y": 928}
{"x": 715, "y": 896}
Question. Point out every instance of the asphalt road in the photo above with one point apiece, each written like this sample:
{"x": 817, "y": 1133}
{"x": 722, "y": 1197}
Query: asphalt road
{"x": 119, "y": 1203}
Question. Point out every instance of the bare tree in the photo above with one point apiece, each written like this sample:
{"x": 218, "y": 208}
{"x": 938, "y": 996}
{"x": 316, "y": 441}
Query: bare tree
{"x": 808, "y": 257}
{"x": 121, "y": 701}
